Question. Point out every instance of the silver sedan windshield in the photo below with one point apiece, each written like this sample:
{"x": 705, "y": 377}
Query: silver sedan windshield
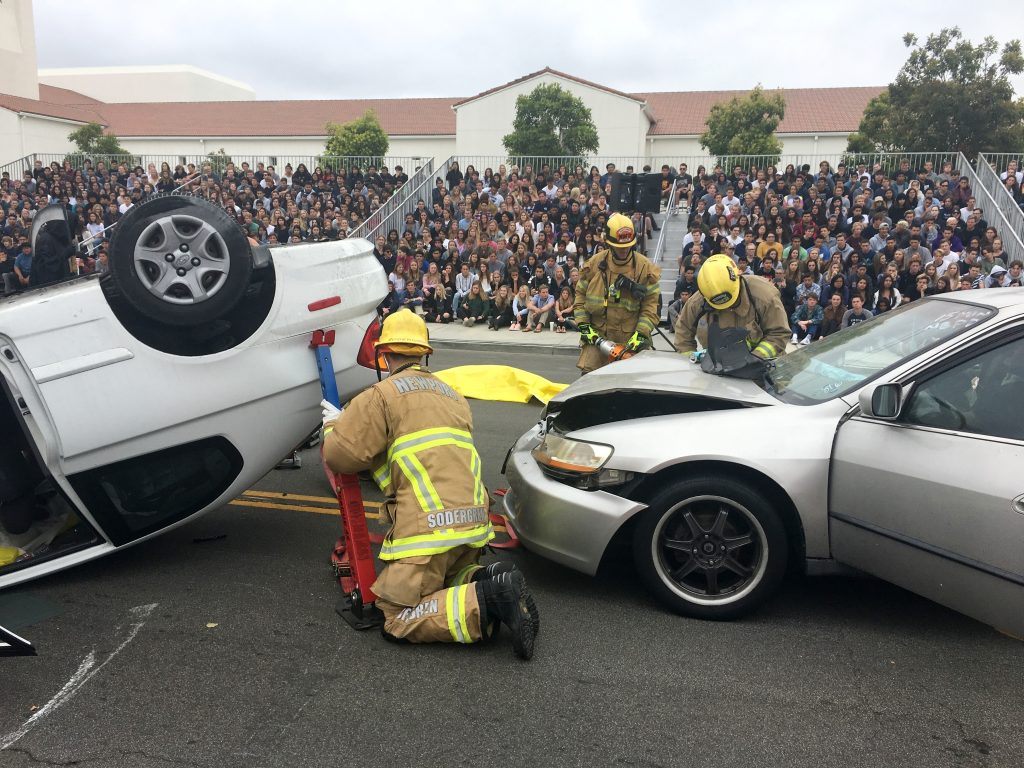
{"x": 844, "y": 361}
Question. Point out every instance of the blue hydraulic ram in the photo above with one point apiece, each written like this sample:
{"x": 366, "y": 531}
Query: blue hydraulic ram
{"x": 352, "y": 557}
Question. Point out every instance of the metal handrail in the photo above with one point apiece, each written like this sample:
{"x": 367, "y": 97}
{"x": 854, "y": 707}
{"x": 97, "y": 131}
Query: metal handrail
{"x": 659, "y": 247}
{"x": 408, "y": 202}
{"x": 18, "y": 167}
{"x": 1010, "y": 223}
{"x": 393, "y": 203}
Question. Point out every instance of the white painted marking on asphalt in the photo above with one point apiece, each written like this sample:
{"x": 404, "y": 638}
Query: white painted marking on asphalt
{"x": 85, "y": 672}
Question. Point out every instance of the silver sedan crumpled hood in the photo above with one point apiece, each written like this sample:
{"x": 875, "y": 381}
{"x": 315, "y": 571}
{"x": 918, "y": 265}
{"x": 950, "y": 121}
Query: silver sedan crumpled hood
{"x": 665, "y": 372}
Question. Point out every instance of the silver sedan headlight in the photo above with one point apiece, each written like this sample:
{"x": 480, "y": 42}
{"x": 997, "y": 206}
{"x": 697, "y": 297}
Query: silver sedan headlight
{"x": 577, "y": 462}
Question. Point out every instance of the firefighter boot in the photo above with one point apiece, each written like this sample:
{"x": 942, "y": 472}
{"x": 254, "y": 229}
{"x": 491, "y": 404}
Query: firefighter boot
{"x": 491, "y": 570}
{"x": 505, "y": 597}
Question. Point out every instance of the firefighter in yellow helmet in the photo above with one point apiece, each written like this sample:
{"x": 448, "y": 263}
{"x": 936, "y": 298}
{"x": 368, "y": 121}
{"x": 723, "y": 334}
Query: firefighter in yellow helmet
{"x": 415, "y": 433}
{"x": 617, "y": 296}
{"x": 746, "y": 320}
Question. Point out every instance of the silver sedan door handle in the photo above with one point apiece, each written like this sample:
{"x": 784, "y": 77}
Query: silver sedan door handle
{"x": 1018, "y": 504}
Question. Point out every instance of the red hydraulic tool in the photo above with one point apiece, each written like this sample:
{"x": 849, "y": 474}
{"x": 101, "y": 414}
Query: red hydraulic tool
{"x": 352, "y": 557}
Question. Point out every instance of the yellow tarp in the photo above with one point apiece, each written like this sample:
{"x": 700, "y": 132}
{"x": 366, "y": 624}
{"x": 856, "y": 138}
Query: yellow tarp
{"x": 499, "y": 382}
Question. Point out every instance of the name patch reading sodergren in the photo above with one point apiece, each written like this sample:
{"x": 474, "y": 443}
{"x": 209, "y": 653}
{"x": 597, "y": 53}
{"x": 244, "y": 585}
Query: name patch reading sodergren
{"x": 457, "y": 517}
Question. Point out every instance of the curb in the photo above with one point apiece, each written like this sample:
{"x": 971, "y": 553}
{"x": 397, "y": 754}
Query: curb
{"x": 503, "y": 347}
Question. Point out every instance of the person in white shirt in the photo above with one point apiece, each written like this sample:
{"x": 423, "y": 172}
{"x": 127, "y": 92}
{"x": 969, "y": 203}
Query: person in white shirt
{"x": 1012, "y": 168}
{"x": 730, "y": 198}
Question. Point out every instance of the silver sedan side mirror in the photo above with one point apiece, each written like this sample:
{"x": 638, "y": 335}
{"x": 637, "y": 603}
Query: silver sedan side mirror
{"x": 882, "y": 401}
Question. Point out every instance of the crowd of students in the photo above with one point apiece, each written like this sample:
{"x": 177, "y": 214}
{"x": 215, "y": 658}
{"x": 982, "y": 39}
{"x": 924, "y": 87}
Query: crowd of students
{"x": 842, "y": 244}
{"x": 272, "y": 205}
{"x": 502, "y": 247}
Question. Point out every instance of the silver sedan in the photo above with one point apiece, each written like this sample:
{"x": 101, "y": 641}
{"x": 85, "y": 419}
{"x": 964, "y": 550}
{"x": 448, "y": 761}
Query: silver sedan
{"x": 895, "y": 447}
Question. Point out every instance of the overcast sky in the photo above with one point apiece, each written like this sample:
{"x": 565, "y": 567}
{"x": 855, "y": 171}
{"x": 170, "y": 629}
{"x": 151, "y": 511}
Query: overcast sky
{"x": 335, "y": 49}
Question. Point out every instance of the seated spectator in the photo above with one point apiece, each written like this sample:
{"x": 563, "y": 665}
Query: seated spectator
{"x": 464, "y": 282}
{"x": 390, "y": 303}
{"x": 806, "y": 320}
{"x": 832, "y": 316}
{"x": 856, "y": 313}
{"x": 541, "y": 278}
{"x": 520, "y": 308}
{"x": 500, "y": 314}
{"x": 23, "y": 265}
{"x": 436, "y": 307}
{"x": 807, "y": 287}
{"x": 540, "y": 309}
{"x": 564, "y": 311}
{"x": 676, "y": 305}
{"x": 473, "y": 308}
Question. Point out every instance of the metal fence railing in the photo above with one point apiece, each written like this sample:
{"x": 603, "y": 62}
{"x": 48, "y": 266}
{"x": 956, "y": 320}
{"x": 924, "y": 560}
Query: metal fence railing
{"x": 889, "y": 162}
{"x": 396, "y": 201}
{"x": 395, "y": 218}
{"x": 1001, "y": 210}
{"x": 1000, "y": 161}
{"x": 16, "y": 168}
{"x": 219, "y": 160}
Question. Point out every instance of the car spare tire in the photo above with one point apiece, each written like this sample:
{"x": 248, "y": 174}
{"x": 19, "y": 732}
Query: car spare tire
{"x": 180, "y": 260}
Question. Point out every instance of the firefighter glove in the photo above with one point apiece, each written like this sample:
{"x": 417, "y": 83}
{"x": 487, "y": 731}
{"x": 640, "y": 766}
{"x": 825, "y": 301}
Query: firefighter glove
{"x": 588, "y": 334}
{"x": 637, "y": 342}
{"x": 330, "y": 412}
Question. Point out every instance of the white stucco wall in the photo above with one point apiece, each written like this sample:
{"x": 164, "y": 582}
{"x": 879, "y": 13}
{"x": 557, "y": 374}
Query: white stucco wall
{"x": 116, "y": 85}
{"x": 26, "y": 135}
{"x": 18, "y": 49}
{"x": 286, "y": 149}
{"x": 796, "y": 149}
{"x": 438, "y": 147}
{"x": 481, "y": 124}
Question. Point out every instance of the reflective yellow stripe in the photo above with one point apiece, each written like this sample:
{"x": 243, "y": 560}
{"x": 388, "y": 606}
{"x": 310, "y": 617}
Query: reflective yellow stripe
{"x": 465, "y": 576}
{"x": 417, "y": 439}
{"x": 765, "y": 349}
{"x": 460, "y": 598}
{"x": 449, "y": 609}
{"x": 416, "y": 474}
{"x": 481, "y": 491}
{"x": 435, "y": 543}
{"x": 403, "y": 452}
{"x": 328, "y": 430}
{"x": 382, "y": 477}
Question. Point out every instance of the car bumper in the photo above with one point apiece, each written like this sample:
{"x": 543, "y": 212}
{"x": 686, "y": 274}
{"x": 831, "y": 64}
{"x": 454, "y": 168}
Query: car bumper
{"x": 562, "y": 523}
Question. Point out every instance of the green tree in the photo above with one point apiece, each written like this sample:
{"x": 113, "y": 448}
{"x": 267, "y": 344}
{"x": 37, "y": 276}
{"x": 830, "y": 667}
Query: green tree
{"x": 745, "y": 125}
{"x": 91, "y": 140}
{"x": 218, "y": 160}
{"x": 362, "y": 137}
{"x": 550, "y": 121}
{"x": 949, "y": 94}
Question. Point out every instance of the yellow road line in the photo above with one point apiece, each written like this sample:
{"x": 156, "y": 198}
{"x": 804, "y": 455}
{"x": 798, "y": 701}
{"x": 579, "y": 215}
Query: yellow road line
{"x": 243, "y": 502}
{"x": 294, "y": 507}
{"x": 299, "y": 497}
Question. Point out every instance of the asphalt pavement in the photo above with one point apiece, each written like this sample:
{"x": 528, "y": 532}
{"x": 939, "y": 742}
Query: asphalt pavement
{"x": 217, "y": 645}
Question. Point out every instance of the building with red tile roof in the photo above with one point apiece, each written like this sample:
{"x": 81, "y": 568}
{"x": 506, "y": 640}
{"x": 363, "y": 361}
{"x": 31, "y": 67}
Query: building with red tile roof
{"x": 652, "y": 125}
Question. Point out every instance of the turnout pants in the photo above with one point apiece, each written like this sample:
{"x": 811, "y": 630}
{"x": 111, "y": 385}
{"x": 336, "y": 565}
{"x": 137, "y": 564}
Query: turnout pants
{"x": 430, "y": 599}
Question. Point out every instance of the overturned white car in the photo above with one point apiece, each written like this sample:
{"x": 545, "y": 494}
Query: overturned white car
{"x": 136, "y": 400}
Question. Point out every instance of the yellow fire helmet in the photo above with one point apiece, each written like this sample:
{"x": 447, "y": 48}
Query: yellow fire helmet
{"x": 719, "y": 281}
{"x": 620, "y": 231}
{"x": 404, "y": 333}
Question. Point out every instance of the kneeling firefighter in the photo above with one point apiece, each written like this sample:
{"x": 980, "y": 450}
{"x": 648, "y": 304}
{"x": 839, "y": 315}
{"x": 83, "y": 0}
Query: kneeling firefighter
{"x": 414, "y": 432}
{"x": 746, "y": 320}
{"x": 617, "y": 296}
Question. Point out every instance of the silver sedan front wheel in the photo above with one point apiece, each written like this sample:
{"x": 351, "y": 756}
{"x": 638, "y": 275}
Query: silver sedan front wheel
{"x": 711, "y": 547}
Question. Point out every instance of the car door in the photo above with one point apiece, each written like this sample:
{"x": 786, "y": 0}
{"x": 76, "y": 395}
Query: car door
{"x": 934, "y": 499}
